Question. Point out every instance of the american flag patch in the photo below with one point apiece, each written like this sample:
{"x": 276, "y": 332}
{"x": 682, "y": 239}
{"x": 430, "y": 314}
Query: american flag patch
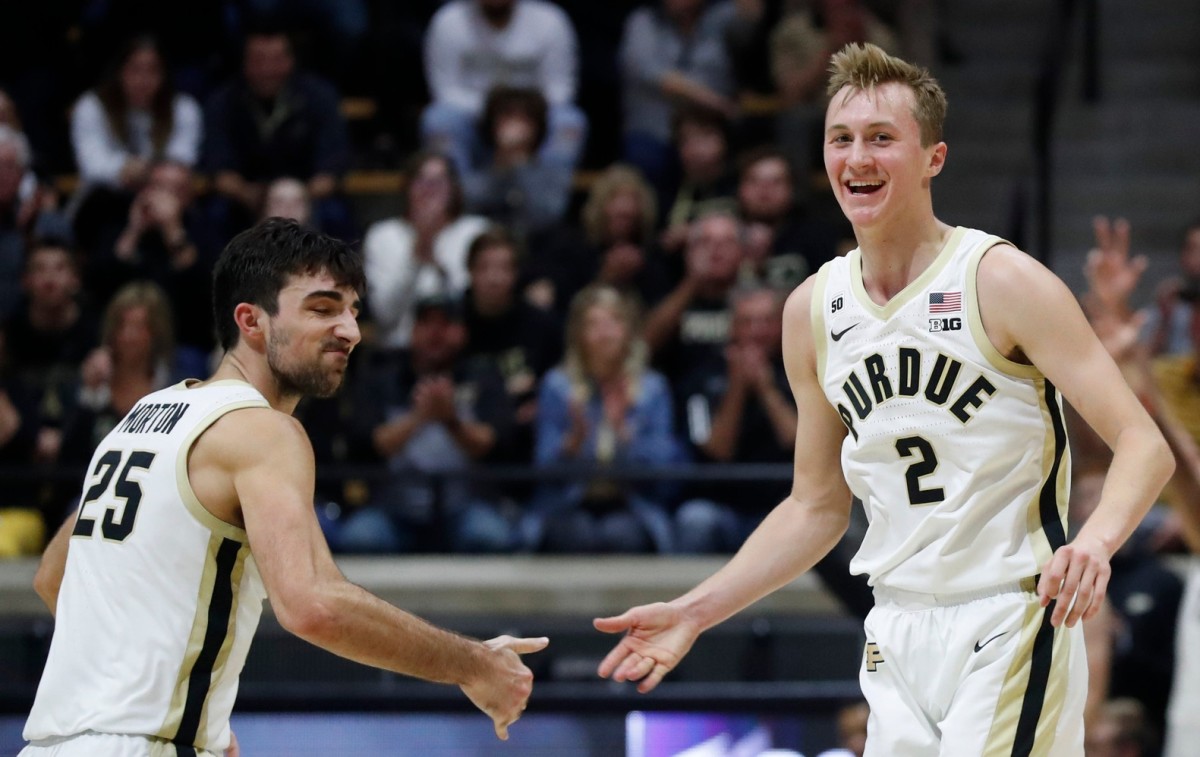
{"x": 945, "y": 302}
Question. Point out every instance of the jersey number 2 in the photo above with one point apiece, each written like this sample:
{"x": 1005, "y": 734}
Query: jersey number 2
{"x": 130, "y": 491}
{"x": 927, "y": 462}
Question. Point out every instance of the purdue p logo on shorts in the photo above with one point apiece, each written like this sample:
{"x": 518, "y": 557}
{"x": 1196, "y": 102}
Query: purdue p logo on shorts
{"x": 874, "y": 657}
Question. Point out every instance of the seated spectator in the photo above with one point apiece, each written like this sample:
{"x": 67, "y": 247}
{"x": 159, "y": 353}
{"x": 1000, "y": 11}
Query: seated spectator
{"x": 288, "y": 198}
{"x": 440, "y": 414}
{"x": 22, "y": 526}
{"x": 616, "y": 246}
{"x": 45, "y": 341}
{"x": 421, "y": 252}
{"x": 516, "y": 187}
{"x": 602, "y": 407}
{"x": 135, "y": 357}
{"x": 165, "y": 239}
{"x": 705, "y": 182}
{"x": 1168, "y": 323}
{"x": 739, "y": 409}
{"x": 24, "y": 207}
{"x": 672, "y": 54}
{"x": 691, "y": 324}
{"x": 275, "y": 120}
{"x": 784, "y": 245}
{"x": 521, "y": 340}
{"x": 472, "y": 46}
{"x": 132, "y": 119}
{"x": 119, "y": 130}
{"x": 339, "y": 27}
{"x": 800, "y": 47}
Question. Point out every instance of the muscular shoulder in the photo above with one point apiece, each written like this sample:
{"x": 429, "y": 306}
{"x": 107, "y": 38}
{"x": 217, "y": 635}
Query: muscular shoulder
{"x": 253, "y": 435}
{"x": 1018, "y": 298}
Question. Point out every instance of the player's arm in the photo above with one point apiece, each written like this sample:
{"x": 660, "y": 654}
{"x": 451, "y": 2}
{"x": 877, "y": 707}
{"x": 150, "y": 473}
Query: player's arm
{"x": 790, "y": 540}
{"x": 48, "y": 579}
{"x": 810, "y": 521}
{"x": 269, "y": 463}
{"x": 1028, "y": 311}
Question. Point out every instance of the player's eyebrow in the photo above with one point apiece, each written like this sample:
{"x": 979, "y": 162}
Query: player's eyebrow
{"x": 332, "y": 294}
{"x": 872, "y": 125}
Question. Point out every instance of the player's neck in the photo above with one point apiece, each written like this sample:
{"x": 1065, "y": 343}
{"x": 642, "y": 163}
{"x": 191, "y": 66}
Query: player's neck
{"x": 894, "y": 255}
{"x": 257, "y": 373}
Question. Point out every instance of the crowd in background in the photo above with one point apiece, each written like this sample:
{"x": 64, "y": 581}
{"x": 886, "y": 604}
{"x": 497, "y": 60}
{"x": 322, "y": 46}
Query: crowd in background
{"x": 514, "y": 316}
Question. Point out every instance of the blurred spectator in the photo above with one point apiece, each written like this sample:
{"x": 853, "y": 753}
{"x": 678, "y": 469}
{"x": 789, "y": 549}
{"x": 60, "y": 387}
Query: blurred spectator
{"x": 691, "y": 324}
{"x": 165, "y": 238}
{"x": 1168, "y": 322}
{"x": 801, "y": 44}
{"x": 516, "y": 187}
{"x": 738, "y": 409}
{"x": 602, "y": 407}
{"x": 421, "y": 252}
{"x": 196, "y": 36}
{"x": 23, "y": 200}
{"x": 784, "y": 245}
{"x": 22, "y": 527}
{"x": 271, "y": 121}
{"x": 616, "y": 245}
{"x": 339, "y": 28}
{"x": 852, "y": 731}
{"x": 1121, "y": 730}
{"x": 672, "y": 53}
{"x": 131, "y": 119}
{"x": 135, "y": 357}
{"x": 521, "y": 340}
{"x": 748, "y": 37}
{"x": 441, "y": 413}
{"x": 705, "y": 182}
{"x": 45, "y": 342}
{"x": 809, "y": 33}
{"x": 288, "y": 198}
{"x": 472, "y": 46}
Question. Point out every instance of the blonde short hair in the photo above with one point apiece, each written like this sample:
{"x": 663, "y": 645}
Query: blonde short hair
{"x": 866, "y": 66}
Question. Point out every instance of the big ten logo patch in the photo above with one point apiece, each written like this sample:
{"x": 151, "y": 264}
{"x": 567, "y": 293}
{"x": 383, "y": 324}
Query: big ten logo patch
{"x": 873, "y": 657}
{"x": 945, "y": 324}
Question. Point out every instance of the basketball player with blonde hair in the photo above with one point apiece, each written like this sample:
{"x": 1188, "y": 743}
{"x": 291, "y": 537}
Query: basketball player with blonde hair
{"x": 930, "y": 366}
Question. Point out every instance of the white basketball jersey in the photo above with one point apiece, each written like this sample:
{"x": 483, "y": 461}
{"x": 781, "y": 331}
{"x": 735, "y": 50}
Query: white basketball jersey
{"x": 160, "y": 598}
{"x": 958, "y": 454}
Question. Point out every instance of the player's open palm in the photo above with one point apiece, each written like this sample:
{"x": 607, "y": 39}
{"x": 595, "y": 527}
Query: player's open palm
{"x": 503, "y": 690}
{"x": 657, "y": 636}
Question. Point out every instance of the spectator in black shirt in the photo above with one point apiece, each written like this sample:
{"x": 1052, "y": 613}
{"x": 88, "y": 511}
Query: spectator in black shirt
{"x": 521, "y": 340}
{"x": 738, "y": 408}
{"x": 274, "y": 121}
{"x": 439, "y": 414}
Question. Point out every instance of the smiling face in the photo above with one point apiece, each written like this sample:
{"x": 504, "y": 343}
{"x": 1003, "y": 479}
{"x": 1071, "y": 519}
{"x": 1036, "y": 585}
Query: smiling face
{"x": 874, "y": 158}
{"x": 312, "y": 334}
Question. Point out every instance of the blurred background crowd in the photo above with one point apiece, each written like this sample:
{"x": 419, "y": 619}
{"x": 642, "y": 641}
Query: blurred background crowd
{"x": 580, "y": 221}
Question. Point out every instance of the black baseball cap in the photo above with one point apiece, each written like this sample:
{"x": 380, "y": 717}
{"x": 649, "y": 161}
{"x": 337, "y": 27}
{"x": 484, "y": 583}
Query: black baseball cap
{"x": 443, "y": 302}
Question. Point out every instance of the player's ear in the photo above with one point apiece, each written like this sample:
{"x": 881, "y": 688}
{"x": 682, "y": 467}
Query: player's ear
{"x": 251, "y": 321}
{"x": 937, "y": 160}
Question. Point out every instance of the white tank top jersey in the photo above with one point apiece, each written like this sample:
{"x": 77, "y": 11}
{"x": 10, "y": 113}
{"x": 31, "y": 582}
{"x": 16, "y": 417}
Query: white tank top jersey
{"x": 958, "y": 454}
{"x": 160, "y": 598}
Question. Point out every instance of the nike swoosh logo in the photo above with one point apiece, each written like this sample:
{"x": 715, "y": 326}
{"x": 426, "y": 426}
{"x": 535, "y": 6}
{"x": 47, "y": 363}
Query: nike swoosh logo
{"x": 979, "y": 646}
{"x": 836, "y": 335}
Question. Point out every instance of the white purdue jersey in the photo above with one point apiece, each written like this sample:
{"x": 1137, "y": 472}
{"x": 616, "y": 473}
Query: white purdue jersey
{"x": 160, "y": 599}
{"x": 958, "y": 454}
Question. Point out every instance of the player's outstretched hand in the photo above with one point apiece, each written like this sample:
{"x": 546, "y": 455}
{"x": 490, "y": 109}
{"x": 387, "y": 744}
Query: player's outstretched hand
{"x": 503, "y": 691}
{"x": 657, "y": 636}
{"x": 1076, "y": 577}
